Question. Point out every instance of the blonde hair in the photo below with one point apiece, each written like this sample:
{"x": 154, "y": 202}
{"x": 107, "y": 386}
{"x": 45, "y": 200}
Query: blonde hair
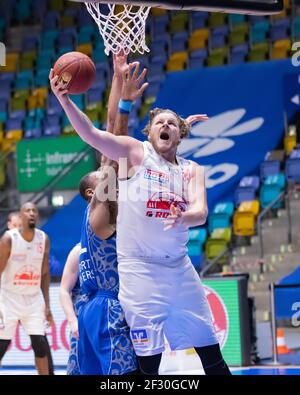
{"x": 184, "y": 127}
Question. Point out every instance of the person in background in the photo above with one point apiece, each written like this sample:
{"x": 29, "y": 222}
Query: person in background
{"x": 25, "y": 280}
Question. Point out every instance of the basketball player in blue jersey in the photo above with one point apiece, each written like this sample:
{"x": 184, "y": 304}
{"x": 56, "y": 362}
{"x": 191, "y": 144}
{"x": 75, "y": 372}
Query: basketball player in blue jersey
{"x": 160, "y": 291}
{"x": 104, "y": 345}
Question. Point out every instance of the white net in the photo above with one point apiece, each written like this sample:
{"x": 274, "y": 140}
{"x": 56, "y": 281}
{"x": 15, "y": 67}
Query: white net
{"x": 123, "y": 27}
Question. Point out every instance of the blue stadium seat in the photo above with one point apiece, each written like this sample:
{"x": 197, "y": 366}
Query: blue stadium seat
{"x": 275, "y": 179}
{"x": 268, "y": 193}
{"x": 33, "y": 133}
{"x": 269, "y": 168}
{"x": 218, "y": 36}
{"x": 224, "y": 207}
{"x": 292, "y": 167}
{"x": 198, "y": 20}
{"x": 280, "y": 29}
{"x": 218, "y": 220}
{"x": 19, "y": 114}
{"x": 51, "y": 20}
{"x": 197, "y": 238}
{"x": 259, "y": 31}
{"x": 13, "y": 124}
{"x": 238, "y": 53}
{"x": 53, "y": 131}
{"x": 197, "y": 58}
{"x": 51, "y": 120}
{"x": 244, "y": 194}
{"x": 250, "y": 181}
{"x": 160, "y": 25}
{"x": 179, "y": 42}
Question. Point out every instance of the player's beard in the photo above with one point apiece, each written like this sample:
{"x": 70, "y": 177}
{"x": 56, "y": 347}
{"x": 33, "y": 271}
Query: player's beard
{"x": 31, "y": 225}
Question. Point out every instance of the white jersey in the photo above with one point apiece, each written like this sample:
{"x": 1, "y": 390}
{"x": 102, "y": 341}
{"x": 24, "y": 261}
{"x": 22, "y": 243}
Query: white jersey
{"x": 144, "y": 202}
{"x": 22, "y": 274}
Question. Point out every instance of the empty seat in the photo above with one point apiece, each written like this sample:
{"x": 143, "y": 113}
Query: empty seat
{"x": 269, "y": 168}
{"x": 239, "y": 34}
{"x": 217, "y": 19}
{"x": 178, "y": 22}
{"x": 276, "y": 179}
{"x": 281, "y": 49}
{"x": 259, "y": 32}
{"x": 218, "y": 56}
{"x": 250, "y": 206}
{"x": 268, "y": 193}
{"x": 224, "y": 207}
{"x": 280, "y": 29}
{"x": 218, "y": 37}
{"x": 218, "y": 220}
{"x": 250, "y": 181}
{"x": 259, "y": 52}
{"x": 177, "y": 61}
{"x": 238, "y": 53}
{"x": 197, "y": 58}
{"x": 292, "y": 167}
{"x": 243, "y": 194}
{"x": 244, "y": 223}
{"x": 290, "y": 140}
{"x": 198, "y": 39}
{"x": 198, "y": 20}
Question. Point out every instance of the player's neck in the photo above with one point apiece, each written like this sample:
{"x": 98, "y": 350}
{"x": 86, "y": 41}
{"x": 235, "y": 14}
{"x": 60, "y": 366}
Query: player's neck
{"x": 27, "y": 233}
{"x": 169, "y": 157}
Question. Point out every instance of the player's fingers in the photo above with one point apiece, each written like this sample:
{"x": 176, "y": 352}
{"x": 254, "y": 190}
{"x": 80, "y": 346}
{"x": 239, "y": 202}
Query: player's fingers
{"x": 141, "y": 76}
{"x": 50, "y": 74}
{"x": 143, "y": 88}
{"x": 136, "y": 70}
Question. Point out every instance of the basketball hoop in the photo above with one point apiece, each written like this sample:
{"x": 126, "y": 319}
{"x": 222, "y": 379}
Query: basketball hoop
{"x": 122, "y": 28}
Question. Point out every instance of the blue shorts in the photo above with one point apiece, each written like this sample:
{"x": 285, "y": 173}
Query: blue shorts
{"x": 104, "y": 346}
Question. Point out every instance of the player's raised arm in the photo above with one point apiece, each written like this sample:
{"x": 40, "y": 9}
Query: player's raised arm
{"x": 114, "y": 147}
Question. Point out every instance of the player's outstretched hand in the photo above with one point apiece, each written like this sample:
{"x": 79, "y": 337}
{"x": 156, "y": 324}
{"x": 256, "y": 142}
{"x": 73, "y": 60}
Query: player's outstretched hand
{"x": 58, "y": 87}
{"x": 174, "y": 219}
{"x": 196, "y": 118}
{"x": 132, "y": 82}
{"x": 120, "y": 64}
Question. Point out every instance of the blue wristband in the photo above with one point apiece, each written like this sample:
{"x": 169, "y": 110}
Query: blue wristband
{"x": 125, "y": 106}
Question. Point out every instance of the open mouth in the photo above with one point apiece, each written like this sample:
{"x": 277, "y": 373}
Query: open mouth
{"x": 164, "y": 136}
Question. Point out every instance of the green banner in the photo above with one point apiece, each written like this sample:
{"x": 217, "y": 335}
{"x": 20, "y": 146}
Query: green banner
{"x": 223, "y": 299}
{"x": 39, "y": 161}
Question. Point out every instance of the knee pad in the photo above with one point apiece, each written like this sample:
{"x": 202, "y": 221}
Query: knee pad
{"x": 149, "y": 365}
{"x": 39, "y": 345}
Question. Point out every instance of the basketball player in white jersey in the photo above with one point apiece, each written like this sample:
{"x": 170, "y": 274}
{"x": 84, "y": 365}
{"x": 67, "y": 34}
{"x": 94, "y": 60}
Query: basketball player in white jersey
{"x": 160, "y": 196}
{"x": 24, "y": 290}
{"x": 14, "y": 222}
{"x": 72, "y": 301}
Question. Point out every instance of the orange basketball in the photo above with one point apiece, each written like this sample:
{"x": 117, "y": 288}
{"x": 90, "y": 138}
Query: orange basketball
{"x": 77, "y": 70}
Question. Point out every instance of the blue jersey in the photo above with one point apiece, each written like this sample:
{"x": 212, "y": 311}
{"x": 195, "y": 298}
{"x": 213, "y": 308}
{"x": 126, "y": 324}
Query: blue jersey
{"x": 98, "y": 268}
{"x": 78, "y": 300}
{"x": 104, "y": 345}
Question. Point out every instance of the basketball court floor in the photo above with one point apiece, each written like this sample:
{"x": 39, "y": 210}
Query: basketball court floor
{"x": 249, "y": 371}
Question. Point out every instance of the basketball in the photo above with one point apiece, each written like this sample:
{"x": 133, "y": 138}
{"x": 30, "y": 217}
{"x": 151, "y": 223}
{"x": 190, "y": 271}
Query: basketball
{"x": 77, "y": 70}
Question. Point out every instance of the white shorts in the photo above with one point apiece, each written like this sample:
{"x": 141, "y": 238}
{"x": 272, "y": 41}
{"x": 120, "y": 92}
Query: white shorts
{"x": 165, "y": 300}
{"x": 28, "y": 309}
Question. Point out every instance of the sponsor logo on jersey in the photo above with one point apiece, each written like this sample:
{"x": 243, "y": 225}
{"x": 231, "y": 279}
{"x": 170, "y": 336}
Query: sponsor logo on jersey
{"x": 156, "y": 176}
{"x": 159, "y": 204}
{"x": 139, "y": 337}
{"x": 28, "y": 276}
